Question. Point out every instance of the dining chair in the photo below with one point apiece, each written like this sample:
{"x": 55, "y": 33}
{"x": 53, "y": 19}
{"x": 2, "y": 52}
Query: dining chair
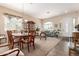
{"x": 75, "y": 41}
{"x": 11, "y": 40}
{"x": 73, "y": 51}
{"x": 43, "y": 35}
{"x": 30, "y": 40}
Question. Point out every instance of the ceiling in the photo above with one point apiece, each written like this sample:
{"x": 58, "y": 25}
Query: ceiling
{"x": 43, "y": 10}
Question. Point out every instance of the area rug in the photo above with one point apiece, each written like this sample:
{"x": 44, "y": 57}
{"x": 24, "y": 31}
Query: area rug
{"x": 42, "y": 47}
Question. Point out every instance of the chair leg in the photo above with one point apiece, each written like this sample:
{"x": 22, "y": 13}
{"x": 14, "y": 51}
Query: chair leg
{"x": 33, "y": 45}
{"x": 0, "y": 41}
{"x": 69, "y": 52}
{"x": 30, "y": 44}
{"x": 28, "y": 47}
{"x": 40, "y": 38}
{"x": 22, "y": 45}
{"x": 18, "y": 43}
{"x": 11, "y": 46}
{"x": 45, "y": 38}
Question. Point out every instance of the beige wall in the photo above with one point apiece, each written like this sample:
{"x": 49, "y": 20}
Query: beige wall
{"x": 13, "y": 12}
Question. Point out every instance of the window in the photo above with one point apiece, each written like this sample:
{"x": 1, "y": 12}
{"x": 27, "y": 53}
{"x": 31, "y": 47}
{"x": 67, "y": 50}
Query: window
{"x": 74, "y": 24}
{"x": 67, "y": 30}
{"x": 13, "y": 23}
{"x": 48, "y": 26}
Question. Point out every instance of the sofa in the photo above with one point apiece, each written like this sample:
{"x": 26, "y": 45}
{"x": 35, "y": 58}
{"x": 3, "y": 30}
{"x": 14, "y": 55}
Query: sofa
{"x": 53, "y": 33}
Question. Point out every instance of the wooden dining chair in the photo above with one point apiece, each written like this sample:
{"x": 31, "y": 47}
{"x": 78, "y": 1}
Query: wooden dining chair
{"x": 11, "y": 40}
{"x": 30, "y": 40}
{"x": 75, "y": 41}
{"x": 73, "y": 51}
{"x": 43, "y": 35}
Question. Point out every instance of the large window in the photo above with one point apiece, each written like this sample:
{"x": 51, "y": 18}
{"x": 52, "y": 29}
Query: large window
{"x": 48, "y": 26}
{"x": 13, "y": 23}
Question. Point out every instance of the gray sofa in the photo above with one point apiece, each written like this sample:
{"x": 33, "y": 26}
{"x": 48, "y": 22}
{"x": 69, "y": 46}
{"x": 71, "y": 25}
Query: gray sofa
{"x": 53, "y": 33}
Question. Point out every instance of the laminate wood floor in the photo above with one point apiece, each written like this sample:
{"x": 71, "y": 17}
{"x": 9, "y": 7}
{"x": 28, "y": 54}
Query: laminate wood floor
{"x": 61, "y": 49}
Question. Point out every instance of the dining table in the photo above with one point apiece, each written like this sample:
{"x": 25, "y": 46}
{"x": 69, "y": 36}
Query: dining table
{"x": 20, "y": 36}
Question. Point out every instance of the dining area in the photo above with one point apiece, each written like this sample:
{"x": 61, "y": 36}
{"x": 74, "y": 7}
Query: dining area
{"x": 26, "y": 34}
{"x": 17, "y": 39}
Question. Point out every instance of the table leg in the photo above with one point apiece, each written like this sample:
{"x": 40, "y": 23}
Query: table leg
{"x": 20, "y": 43}
{"x": 0, "y": 41}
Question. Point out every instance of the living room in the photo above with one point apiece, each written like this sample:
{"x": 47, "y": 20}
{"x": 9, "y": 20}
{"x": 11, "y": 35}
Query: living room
{"x": 54, "y": 25}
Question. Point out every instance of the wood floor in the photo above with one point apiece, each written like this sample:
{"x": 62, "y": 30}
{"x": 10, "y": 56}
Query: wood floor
{"x": 42, "y": 47}
{"x": 60, "y": 49}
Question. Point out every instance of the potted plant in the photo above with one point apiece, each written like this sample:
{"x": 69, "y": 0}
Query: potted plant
{"x": 37, "y": 31}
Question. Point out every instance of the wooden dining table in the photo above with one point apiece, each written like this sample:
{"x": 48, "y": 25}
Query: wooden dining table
{"x": 20, "y": 36}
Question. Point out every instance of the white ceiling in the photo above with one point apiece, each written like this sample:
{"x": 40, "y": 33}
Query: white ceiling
{"x": 43, "y": 10}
